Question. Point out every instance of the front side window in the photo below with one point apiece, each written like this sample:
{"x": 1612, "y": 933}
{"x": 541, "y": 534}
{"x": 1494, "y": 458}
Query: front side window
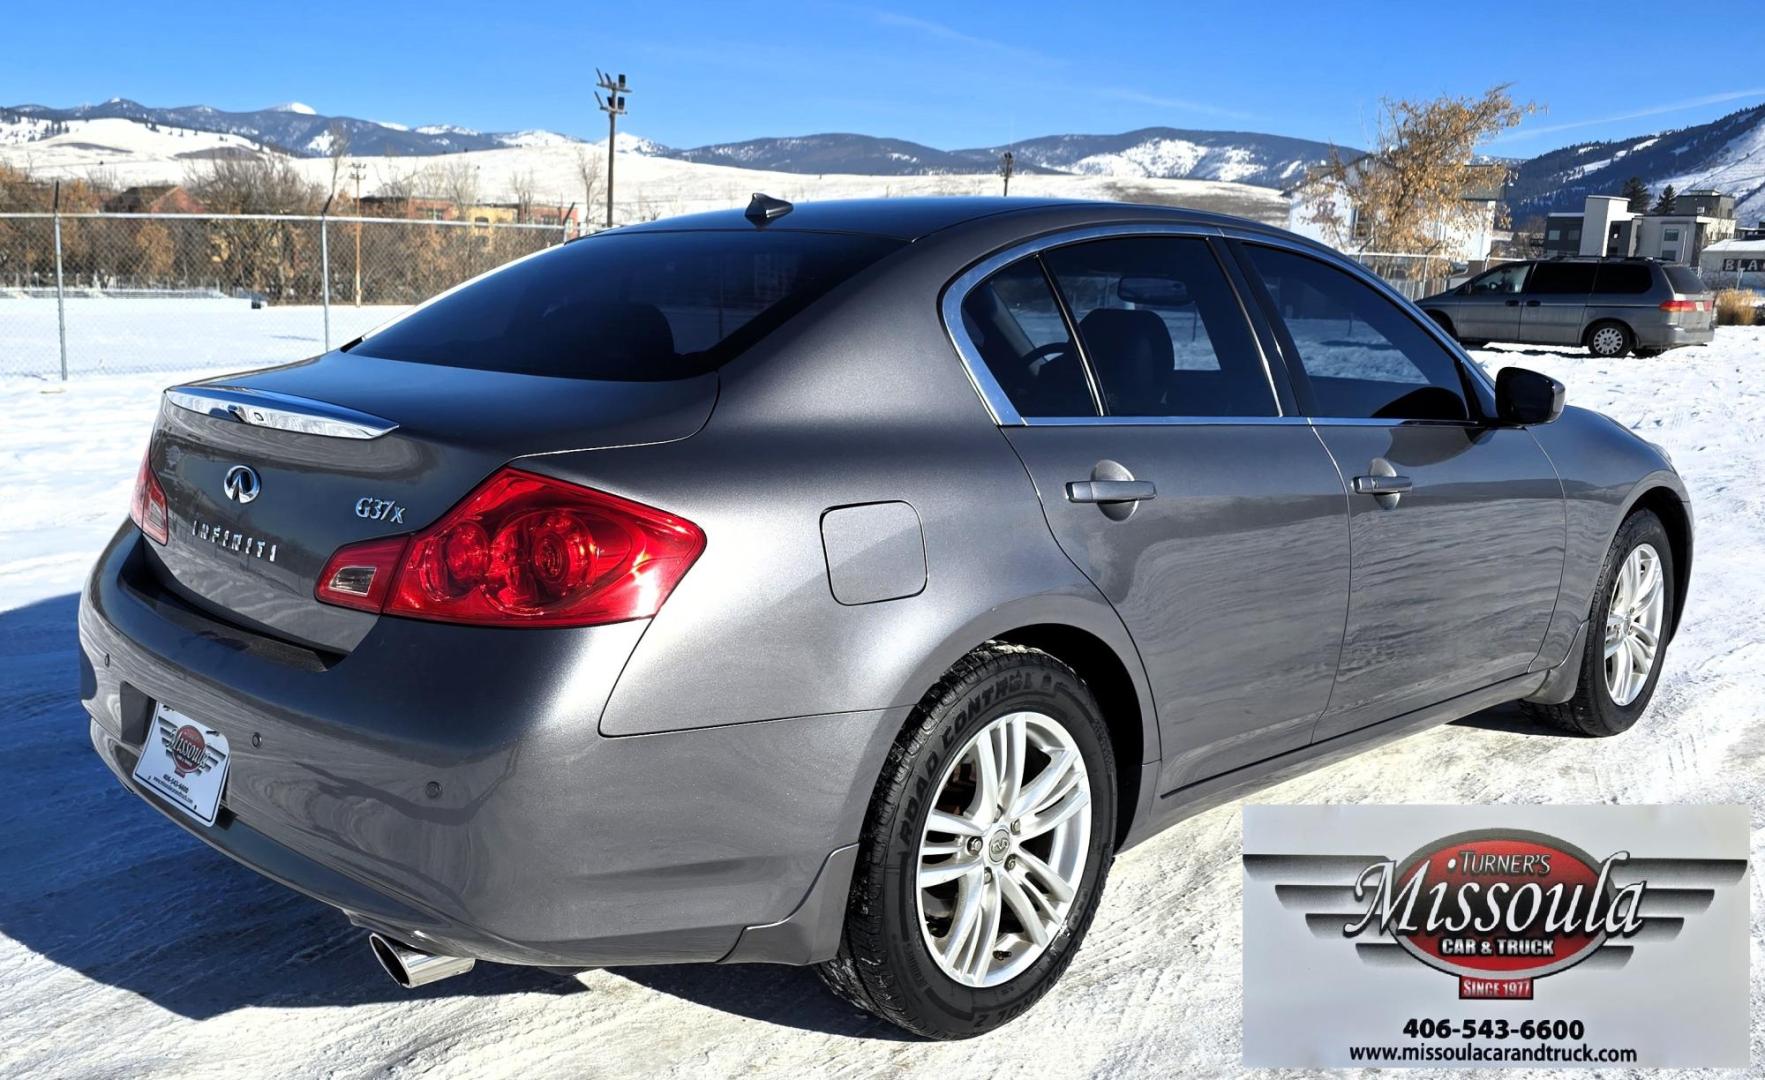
{"x": 1503, "y": 280}
{"x": 1162, "y": 328}
{"x": 1014, "y": 321}
{"x": 628, "y": 306}
{"x": 1362, "y": 356}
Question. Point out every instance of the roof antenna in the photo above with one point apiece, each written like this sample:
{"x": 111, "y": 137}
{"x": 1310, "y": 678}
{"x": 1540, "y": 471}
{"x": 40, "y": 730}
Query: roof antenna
{"x": 762, "y": 208}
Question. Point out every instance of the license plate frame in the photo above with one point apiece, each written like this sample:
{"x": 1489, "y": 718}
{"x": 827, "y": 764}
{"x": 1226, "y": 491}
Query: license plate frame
{"x": 184, "y": 762}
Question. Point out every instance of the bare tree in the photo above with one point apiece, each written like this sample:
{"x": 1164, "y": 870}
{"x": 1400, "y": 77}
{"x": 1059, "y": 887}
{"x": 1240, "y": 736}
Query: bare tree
{"x": 395, "y": 181}
{"x": 591, "y": 170}
{"x": 521, "y": 185}
{"x": 1409, "y": 193}
{"x": 252, "y": 185}
{"x": 337, "y": 149}
{"x": 457, "y": 182}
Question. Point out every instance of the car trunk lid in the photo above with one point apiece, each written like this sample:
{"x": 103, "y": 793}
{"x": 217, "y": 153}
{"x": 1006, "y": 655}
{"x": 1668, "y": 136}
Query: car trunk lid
{"x": 267, "y": 474}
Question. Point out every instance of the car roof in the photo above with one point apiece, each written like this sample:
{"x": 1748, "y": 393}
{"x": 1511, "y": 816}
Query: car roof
{"x": 916, "y": 217}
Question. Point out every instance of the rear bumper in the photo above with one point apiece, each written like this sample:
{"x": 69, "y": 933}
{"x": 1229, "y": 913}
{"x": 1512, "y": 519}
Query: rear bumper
{"x": 1672, "y": 337}
{"x": 448, "y": 785}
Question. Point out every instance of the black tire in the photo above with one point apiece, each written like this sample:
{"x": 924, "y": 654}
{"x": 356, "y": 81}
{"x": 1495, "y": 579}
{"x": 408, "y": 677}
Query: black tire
{"x": 883, "y": 965}
{"x": 1625, "y": 340}
{"x": 1592, "y": 711}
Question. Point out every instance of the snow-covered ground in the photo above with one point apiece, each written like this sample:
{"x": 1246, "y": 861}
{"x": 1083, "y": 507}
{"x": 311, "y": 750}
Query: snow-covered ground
{"x": 134, "y": 335}
{"x": 128, "y": 947}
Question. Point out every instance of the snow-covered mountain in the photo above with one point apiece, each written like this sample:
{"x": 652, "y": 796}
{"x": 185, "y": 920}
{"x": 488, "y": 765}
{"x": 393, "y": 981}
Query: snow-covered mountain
{"x": 1243, "y": 157}
{"x": 1727, "y": 154}
{"x": 1158, "y": 153}
{"x": 841, "y": 152}
{"x": 1150, "y": 153}
{"x": 294, "y": 128}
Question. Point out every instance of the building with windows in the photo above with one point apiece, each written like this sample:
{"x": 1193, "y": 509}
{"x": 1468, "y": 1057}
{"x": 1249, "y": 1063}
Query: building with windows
{"x": 1678, "y": 234}
{"x": 1464, "y": 240}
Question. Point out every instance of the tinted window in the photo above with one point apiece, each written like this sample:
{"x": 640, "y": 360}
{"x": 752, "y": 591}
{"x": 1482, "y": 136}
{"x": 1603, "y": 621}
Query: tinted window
{"x": 1503, "y": 280}
{"x": 1014, "y": 321}
{"x": 635, "y": 306}
{"x": 1625, "y": 279}
{"x": 1685, "y": 280}
{"x": 1563, "y": 278}
{"x": 1162, "y": 328}
{"x": 1363, "y": 356}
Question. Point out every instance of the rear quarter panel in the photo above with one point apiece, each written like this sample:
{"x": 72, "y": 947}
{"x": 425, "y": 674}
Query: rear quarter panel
{"x": 860, "y": 400}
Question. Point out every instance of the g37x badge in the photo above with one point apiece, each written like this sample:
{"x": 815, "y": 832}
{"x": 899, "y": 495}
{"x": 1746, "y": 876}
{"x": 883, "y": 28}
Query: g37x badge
{"x": 379, "y": 510}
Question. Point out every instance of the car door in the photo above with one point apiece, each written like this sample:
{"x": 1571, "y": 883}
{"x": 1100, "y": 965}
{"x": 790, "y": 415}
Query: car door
{"x": 1145, "y": 410}
{"x": 1489, "y": 308}
{"x": 1457, "y": 525}
{"x": 1554, "y": 307}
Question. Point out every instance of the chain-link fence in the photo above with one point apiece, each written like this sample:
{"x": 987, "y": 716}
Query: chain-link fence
{"x": 82, "y": 293}
{"x": 1415, "y": 276}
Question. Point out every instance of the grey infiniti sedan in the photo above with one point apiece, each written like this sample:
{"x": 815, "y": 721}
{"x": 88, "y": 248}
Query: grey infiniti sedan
{"x": 846, "y": 585}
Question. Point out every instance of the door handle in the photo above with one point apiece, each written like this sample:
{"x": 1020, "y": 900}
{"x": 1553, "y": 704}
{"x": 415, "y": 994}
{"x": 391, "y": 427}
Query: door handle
{"x": 1110, "y": 491}
{"x": 1531, "y": 303}
{"x": 1382, "y": 485}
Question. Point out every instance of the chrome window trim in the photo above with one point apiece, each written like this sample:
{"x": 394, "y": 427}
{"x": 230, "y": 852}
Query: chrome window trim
{"x": 1160, "y": 421}
{"x": 993, "y": 396}
{"x": 1367, "y": 277}
{"x": 284, "y": 412}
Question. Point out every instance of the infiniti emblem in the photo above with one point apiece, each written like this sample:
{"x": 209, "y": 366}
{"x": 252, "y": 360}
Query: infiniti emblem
{"x": 241, "y": 484}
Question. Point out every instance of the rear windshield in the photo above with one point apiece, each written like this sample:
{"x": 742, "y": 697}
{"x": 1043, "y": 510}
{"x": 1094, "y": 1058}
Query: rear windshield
{"x": 633, "y": 307}
{"x": 1685, "y": 280}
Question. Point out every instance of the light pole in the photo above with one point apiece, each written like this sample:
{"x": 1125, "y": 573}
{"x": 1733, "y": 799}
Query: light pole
{"x": 355, "y": 173}
{"x": 613, "y": 104}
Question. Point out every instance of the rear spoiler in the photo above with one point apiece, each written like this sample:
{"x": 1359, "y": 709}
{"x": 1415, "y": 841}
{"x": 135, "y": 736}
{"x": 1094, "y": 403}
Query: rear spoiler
{"x": 264, "y": 408}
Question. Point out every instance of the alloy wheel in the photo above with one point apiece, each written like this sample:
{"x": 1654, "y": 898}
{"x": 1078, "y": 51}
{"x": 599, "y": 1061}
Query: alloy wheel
{"x": 1004, "y": 849}
{"x": 1633, "y": 624}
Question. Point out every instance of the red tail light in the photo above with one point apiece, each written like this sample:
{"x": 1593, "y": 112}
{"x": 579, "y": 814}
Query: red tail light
{"x": 522, "y": 550}
{"x": 147, "y": 507}
{"x": 1682, "y": 305}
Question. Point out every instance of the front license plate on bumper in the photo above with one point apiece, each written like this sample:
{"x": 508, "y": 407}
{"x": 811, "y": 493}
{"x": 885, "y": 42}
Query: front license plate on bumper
{"x": 184, "y": 763}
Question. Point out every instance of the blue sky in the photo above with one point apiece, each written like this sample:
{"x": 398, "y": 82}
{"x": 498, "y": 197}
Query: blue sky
{"x": 946, "y": 74}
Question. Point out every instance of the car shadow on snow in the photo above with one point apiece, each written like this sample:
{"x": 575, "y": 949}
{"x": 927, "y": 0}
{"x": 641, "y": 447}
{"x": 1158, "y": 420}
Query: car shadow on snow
{"x": 1513, "y": 720}
{"x": 786, "y": 996}
{"x": 98, "y": 883}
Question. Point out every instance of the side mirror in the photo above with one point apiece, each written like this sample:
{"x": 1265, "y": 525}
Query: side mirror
{"x": 1527, "y": 397}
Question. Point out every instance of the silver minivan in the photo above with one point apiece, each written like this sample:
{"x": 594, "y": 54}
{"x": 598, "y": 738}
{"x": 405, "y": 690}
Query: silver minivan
{"x": 1611, "y": 306}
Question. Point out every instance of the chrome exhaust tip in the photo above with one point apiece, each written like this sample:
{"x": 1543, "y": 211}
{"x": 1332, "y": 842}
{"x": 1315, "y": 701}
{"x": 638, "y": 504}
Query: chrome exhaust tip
{"x": 411, "y": 967}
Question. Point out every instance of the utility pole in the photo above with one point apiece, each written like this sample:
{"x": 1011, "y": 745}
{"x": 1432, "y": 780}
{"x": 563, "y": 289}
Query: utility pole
{"x": 613, "y": 104}
{"x": 1006, "y": 163}
{"x": 355, "y": 173}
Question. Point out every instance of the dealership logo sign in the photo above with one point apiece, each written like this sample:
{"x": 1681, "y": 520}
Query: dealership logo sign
{"x": 189, "y": 750}
{"x": 1497, "y": 908}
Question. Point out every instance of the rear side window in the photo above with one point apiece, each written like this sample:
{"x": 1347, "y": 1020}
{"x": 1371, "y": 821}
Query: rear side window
{"x": 1162, "y": 328}
{"x": 1363, "y": 357}
{"x": 1622, "y": 279}
{"x": 1563, "y": 279}
{"x": 629, "y": 307}
{"x": 1014, "y": 321}
{"x": 1685, "y": 280}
